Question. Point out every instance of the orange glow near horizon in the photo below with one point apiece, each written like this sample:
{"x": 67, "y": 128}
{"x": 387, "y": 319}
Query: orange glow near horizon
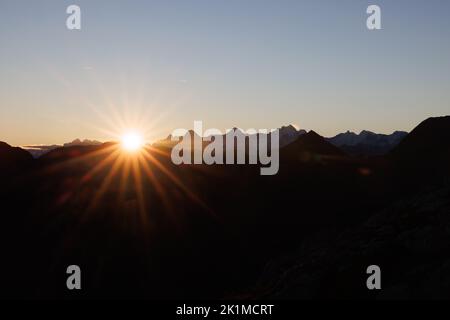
{"x": 128, "y": 169}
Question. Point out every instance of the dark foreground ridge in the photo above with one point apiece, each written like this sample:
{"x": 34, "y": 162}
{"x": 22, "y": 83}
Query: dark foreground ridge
{"x": 143, "y": 227}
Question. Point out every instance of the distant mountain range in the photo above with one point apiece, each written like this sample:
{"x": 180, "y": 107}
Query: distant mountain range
{"x": 367, "y": 143}
{"x": 364, "y": 144}
{"x": 39, "y": 150}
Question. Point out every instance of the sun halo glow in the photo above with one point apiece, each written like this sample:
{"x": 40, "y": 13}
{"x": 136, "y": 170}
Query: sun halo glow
{"x": 132, "y": 141}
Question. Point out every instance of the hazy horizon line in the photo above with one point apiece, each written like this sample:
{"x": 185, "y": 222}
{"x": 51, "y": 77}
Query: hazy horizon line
{"x": 99, "y": 140}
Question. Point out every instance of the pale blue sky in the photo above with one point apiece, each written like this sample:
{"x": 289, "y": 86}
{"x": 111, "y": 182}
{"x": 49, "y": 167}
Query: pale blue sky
{"x": 252, "y": 64}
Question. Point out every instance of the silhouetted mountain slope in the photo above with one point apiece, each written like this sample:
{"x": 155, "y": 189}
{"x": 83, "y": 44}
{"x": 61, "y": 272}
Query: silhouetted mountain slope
{"x": 429, "y": 141}
{"x": 13, "y": 159}
{"x": 310, "y": 147}
{"x": 16, "y": 196}
{"x": 424, "y": 155}
{"x": 13, "y": 155}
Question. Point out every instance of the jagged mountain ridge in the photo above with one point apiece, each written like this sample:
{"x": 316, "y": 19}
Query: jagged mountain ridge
{"x": 366, "y": 142}
{"x": 39, "y": 150}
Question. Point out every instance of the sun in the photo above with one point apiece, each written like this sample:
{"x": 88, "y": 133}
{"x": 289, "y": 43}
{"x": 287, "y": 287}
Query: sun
{"x": 132, "y": 141}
